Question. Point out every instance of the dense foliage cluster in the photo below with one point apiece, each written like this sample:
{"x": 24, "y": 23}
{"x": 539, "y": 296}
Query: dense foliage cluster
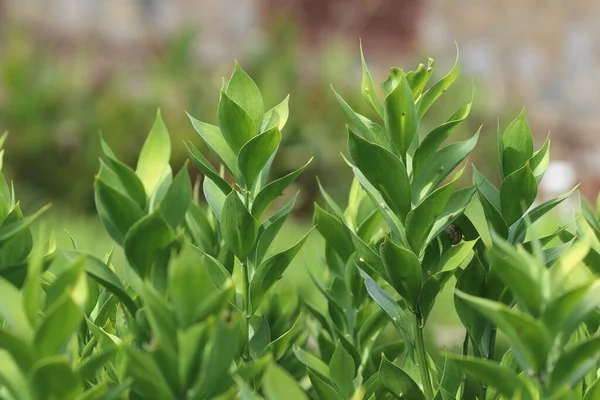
{"x": 192, "y": 314}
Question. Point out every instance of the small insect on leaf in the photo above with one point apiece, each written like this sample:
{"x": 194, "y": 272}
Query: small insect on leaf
{"x": 454, "y": 234}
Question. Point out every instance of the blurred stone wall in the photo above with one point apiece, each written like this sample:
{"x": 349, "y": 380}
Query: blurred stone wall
{"x": 541, "y": 54}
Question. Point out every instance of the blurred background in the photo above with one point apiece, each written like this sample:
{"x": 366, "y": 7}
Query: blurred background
{"x": 70, "y": 69}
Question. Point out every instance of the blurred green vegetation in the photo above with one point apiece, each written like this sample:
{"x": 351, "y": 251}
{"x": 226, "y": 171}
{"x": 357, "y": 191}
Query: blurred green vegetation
{"x": 56, "y": 98}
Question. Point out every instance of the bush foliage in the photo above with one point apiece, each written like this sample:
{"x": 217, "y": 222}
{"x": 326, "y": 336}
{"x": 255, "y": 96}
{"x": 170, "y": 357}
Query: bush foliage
{"x": 192, "y": 314}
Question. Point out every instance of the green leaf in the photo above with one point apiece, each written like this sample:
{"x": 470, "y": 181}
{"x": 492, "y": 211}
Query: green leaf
{"x": 161, "y": 319}
{"x": 420, "y": 220}
{"x": 400, "y": 116}
{"x": 518, "y": 192}
{"x": 493, "y": 374}
{"x": 212, "y": 137}
{"x": 238, "y": 226}
{"x": 440, "y": 165}
{"x": 280, "y": 345}
{"x": 526, "y": 276}
{"x": 540, "y": 160}
{"x": 214, "y": 197}
{"x": 279, "y": 384}
{"x": 398, "y": 382}
{"x": 12, "y": 379}
{"x": 175, "y": 204}
{"x": 54, "y": 379}
{"x": 145, "y": 240}
{"x": 342, "y": 370}
{"x": 102, "y": 274}
{"x": 427, "y": 99}
{"x": 569, "y": 309}
{"x": 206, "y": 168}
{"x": 90, "y": 366}
{"x": 189, "y": 283}
{"x": 365, "y": 126}
{"x": 334, "y": 232}
{"x": 148, "y": 381}
{"x": 323, "y": 389}
{"x": 431, "y": 288}
{"x": 242, "y": 90}
{"x": 270, "y": 192}
{"x": 312, "y": 362}
{"x": 260, "y": 335}
{"x": 255, "y": 153}
{"x": 237, "y": 126}
{"x": 117, "y": 212}
{"x": 517, "y": 145}
{"x": 154, "y": 156}
{"x": 436, "y": 137}
{"x": 270, "y": 271}
{"x": 12, "y": 312}
{"x": 400, "y": 319}
{"x": 127, "y": 176}
{"x": 368, "y": 90}
{"x": 575, "y": 363}
{"x": 403, "y": 270}
{"x": 537, "y": 212}
{"x": 593, "y": 390}
{"x": 269, "y": 230}
{"x": 472, "y": 281}
{"x": 388, "y": 175}
{"x": 276, "y": 116}
{"x": 529, "y": 336}
{"x": 418, "y": 78}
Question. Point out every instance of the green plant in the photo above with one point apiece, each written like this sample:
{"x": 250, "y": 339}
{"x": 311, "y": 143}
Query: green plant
{"x": 192, "y": 311}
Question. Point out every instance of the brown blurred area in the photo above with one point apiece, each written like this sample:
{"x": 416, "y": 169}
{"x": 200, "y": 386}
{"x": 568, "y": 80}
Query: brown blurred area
{"x": 541, "y": 55}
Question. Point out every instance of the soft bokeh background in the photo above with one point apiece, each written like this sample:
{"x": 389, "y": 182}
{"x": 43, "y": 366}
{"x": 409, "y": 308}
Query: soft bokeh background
{"x": 70, "y": 69}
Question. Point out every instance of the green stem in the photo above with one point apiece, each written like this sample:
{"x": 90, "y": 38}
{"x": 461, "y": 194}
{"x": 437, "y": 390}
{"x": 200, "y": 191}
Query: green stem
{"x": 465, "y": 352}
{"x": 246, "y": 308}
{"x": 491, "y": 349}
{"x": 422, "y": 356}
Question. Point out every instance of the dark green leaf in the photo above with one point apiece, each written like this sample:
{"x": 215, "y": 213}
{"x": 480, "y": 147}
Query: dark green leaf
{"x": 399, "y": 318}
{"x": 268, "y": 231}
{"x": 334, "y": 232}
{"x": 575, "y": 363}
{"x": 145, "y": 240}
{"x": 491, "y": 373}
{"x": 342, "y": 370}
{"x": 270, "y": 192}
{"x": 517, "y": 193}
{"x": 255, "y": 153}
{"x": 270, "y": 271}
{"x": 323, "y": 389}
{"x": 427, "y": 99}
{"x": 116, "y": 211}
{"x": 420, "y": 220}
{"x": 212, "y": 137}
{"x": 529, "y": 336}
{"x": 54, "y": 379}
{"x": 540, "y": 160}
{"x": 398, "y": 382}
{"x": 517, "y": 145}
{"x": 400, "y": 116}
{"x": 403, "y": 270}
{"x": 175, "y": 204}
{"x": 129, "y": 180}
{"x": 206, "y": 168}
{"x": 368, "y": 87}
{"x": 278, "y": 384}
{"x": 312, "y": 362}
{"x": 237, "y": 126}
{"x": 242, "y": 90}
{"x": 238, "y": 226}
{"x": 148, "y": 381}
{"x": 388, "y": 175}
{"x": 431, "y": 288}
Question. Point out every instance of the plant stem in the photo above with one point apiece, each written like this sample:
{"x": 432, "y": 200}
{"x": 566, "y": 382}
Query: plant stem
{"x": 422, "y": 356}
{"x": 491, "y": 349}
{"x": 246, "y": 308}
{"x": 465, "y": 352}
